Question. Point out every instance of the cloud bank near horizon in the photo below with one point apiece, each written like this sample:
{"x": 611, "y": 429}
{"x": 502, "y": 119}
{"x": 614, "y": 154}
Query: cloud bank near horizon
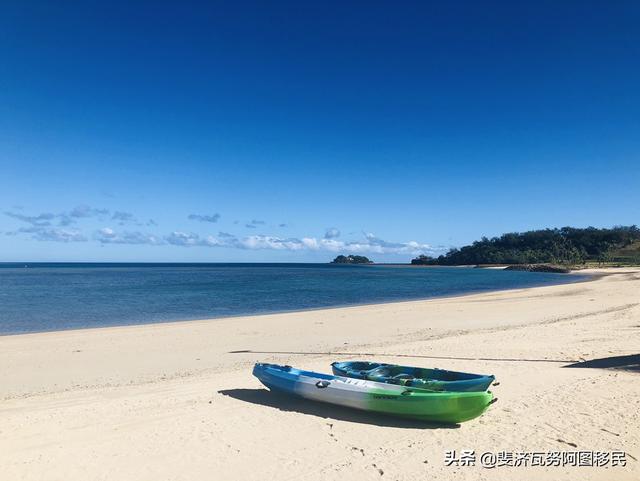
{"x": 54, "y": 227}
{"x": 369, "y": 245}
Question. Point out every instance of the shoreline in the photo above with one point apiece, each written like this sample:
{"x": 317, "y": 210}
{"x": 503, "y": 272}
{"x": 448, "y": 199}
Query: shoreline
{"x": 177, "y": 400}
{"x": 586, "y": 277}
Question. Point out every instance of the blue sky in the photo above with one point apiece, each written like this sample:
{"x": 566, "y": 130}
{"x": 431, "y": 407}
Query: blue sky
{"x": 244, "y": 131}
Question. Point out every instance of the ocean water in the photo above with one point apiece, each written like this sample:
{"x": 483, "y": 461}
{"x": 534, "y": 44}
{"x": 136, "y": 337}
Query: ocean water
{"x": 53, "y": 296}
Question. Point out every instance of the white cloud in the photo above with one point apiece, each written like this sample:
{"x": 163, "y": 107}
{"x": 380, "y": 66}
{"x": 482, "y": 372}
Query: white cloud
{"x": 52, "y": 234}
{"x": 35, "y": 220}
{"x": 107, "y": 235}
{"x": 83, "y": 211}
{"x": 205, "y": 218}
{"x": 331, "y": 233}
{"x": 178, "y": 238}
{"x": 64, "y": 218}
{"x": 123, "y": 217}
{"x": 256, "y": 242}
{"x": 254, "y": 223}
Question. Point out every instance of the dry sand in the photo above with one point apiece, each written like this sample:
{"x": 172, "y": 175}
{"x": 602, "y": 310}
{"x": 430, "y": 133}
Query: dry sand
{"x": 171, "y": 402}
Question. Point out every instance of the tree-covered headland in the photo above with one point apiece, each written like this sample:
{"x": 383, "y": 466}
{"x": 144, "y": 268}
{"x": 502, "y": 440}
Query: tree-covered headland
{"x": 567, "y": 246}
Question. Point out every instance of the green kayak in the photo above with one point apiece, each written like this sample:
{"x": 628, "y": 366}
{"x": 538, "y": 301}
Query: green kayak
{"x": 414, "y": 403}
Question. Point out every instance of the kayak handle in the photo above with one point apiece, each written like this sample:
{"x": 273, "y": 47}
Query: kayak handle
{"x": 322, "y": 384}
{"x": 495, "y": 399}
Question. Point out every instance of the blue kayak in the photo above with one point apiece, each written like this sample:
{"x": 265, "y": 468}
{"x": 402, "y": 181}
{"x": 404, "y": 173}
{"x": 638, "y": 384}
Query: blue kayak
{"x": 418, "y": 377}
{"x": 375, "y": 397}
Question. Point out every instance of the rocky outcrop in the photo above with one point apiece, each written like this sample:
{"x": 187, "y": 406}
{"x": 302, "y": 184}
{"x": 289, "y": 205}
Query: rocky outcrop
{"x": 539, "y": 268}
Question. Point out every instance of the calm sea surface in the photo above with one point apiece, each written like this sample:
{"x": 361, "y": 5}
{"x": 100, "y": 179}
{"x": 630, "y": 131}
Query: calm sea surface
{"x": 49, "y": 297}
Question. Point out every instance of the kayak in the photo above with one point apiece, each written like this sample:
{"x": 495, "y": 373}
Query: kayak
{"x": 375, "y": 397}
{"x": 433, "y": 379}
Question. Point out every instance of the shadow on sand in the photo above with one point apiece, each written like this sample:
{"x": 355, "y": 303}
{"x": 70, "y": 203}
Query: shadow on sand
{"x": 415, "y": 356}
{"x": 285, "y": 402}
{"x": 623, "y": 363}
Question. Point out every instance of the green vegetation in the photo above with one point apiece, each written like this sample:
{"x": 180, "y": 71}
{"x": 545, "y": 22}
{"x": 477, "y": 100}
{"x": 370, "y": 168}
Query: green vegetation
{"x": 629, "y": 254}
{"x": 351, "y": 260}
{"x": 568, "y": 246}
{"x": 539, "y": 268}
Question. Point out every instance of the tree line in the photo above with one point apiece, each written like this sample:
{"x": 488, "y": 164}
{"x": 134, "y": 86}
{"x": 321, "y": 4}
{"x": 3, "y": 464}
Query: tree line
{"x": 567, "y": 245}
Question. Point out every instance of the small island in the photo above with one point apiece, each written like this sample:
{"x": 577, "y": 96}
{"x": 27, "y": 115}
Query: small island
{"x": 351, "y": 259}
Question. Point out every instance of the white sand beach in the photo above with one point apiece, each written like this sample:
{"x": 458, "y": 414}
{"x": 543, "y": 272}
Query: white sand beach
{"x": 174, "y": 402}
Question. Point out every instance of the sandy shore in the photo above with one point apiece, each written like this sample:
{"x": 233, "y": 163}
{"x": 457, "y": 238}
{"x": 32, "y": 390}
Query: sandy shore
{"x": 173, "y": 402}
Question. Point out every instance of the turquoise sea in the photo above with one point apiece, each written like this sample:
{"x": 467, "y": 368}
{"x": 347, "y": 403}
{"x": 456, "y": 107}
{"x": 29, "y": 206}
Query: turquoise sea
{"x": 54, "y": 296}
